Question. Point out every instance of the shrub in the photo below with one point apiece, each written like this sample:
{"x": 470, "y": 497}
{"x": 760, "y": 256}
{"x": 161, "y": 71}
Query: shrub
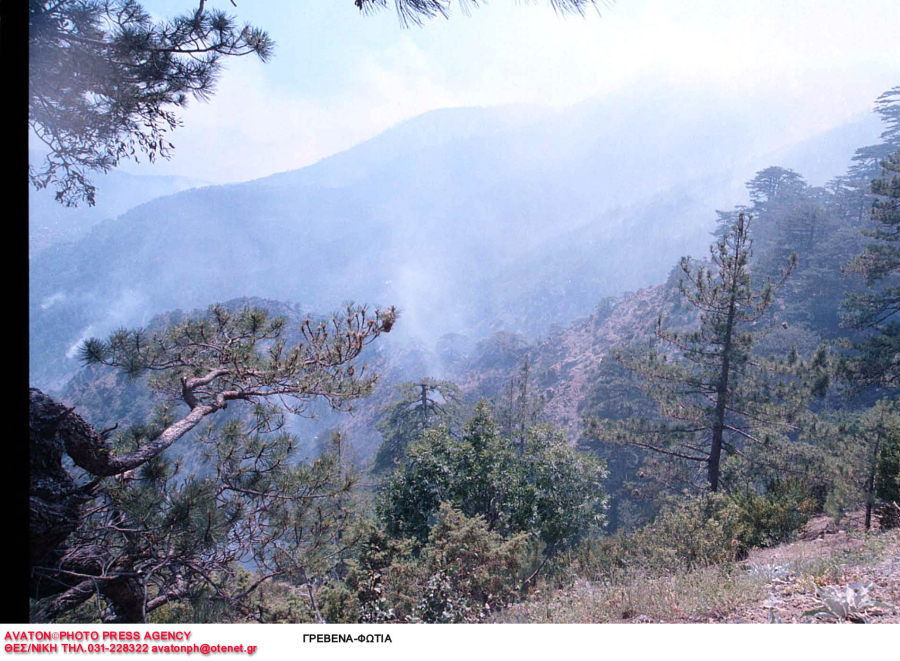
{"x": 774, "y": 517}
{"x": 471, "y": 570}
{"x": 383, "y": 577}
{"x": 695, "y": 532}
{"x": 543, "y": 486}
{"x": 463, "y": 573}
{"x": 887, "y": 480}
{"x": 337, "y": 603}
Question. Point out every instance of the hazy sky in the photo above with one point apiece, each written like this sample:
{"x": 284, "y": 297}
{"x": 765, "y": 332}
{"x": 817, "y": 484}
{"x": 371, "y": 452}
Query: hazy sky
{"x": 339, "y": 77}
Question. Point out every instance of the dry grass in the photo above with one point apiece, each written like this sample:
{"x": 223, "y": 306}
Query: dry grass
{"x": 840, "y": 559}
{"x": 784, "y": 576}
{"x": 705, "y": 595}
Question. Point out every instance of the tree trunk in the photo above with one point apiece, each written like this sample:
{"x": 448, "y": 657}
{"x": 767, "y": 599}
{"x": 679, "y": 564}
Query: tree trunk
{"x": 870, "y": 482}
{"x": 54, "y": 499}
{"x": 715, "y": 452}
{"x": 424, "y": 406}
{"x": 55, "y": 511}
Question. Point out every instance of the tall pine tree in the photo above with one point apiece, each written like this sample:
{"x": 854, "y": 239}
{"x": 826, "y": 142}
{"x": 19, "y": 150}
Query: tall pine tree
{"x": 714, "y": 395}
{"x": 423, "y": 404}
{"x": 877, "y": 358}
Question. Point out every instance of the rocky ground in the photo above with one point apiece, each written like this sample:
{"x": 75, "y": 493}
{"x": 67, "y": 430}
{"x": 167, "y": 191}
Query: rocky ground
{"x": 826, "y": 556}
{"x": 777, "y": 585}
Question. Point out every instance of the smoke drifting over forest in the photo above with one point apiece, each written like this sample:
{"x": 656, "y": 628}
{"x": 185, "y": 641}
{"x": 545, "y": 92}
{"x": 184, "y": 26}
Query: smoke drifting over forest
{"x": 429, "y": 214}
{"x": 486, "y": 319}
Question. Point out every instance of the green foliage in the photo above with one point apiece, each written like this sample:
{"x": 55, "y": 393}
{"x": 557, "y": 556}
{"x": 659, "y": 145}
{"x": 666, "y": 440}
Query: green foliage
{"x": 691, "y": 532}
{"x": 774, "y": 517}
{"x": 184, "y": 539}
{"x": 255, "y": 503}
{"x": 546, "y": 487}
{"x": 715, "y": 398}
{"x": 172, "y": 537}
{"x": 615, "y": 395}
{"x": 791, "y": 218}
{"x": 338, "y": 604}
{"x": 226, "y": 351}
{"x": 424, "y": 404}
{"x": 105, "y": 80}
{"x": 876, "y": 361}
{"x": 462, "y": 573}
{"x": 887, "y": 474}
{"x": 887, "y": 477}
{"x": 379, "y": 576}
{"x": 502, "y": 349}
{"x": 867, "y": 160}
{"x": 269, "y": 602}
{"x": 472, "y": 571}
{"x": 615, "y": 392}
{"x": 860, "y": 461}
{"x": 774, "y": 184}
{"x": 517, "y": 407}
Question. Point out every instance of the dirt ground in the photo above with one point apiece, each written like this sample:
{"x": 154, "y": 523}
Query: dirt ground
{"x": 826, "y": 555}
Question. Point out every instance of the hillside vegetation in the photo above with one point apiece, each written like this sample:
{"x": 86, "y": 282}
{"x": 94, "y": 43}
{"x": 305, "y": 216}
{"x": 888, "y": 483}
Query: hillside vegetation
{"x": 574, "y": 426}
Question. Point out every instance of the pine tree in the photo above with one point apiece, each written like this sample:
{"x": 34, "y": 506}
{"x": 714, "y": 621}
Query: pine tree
{"x": 148, "y": 535}
{"x": 860, "y": 461}
{"x": 876, "y": 359}
{"x": 715, "y": 396}
{"x": 867, "y": 160}
{"x": 418, "y": 11}
{"x": 616, "y": 395}
{"x": 852, "y": 191}
{"x": 517, "y": 407}
{"x": 423, "y": 405}
{"x": 776, "y": 194}
{"x": 887, "y": 473}
{"x": 105, "y": 80}
{"x": 227, "y": 357}
{"x": 882, "y": 429}
{"x": 809, "y": 227}
{"x": 774, "y": 185}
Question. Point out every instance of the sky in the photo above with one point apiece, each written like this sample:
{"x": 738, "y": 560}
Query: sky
{"x": 339, "y": 77}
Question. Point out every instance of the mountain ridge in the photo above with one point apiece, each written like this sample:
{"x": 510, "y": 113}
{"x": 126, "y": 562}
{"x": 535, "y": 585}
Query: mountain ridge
{"x": 463, "y": 238}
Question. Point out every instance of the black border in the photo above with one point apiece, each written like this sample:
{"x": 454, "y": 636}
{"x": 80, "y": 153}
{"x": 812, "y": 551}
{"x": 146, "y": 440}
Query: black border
{"x": 14, "y": 51}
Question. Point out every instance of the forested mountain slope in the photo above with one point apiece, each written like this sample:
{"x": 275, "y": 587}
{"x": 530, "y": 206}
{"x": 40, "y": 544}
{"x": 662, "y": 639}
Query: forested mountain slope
{"x": 517, "y": 220}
